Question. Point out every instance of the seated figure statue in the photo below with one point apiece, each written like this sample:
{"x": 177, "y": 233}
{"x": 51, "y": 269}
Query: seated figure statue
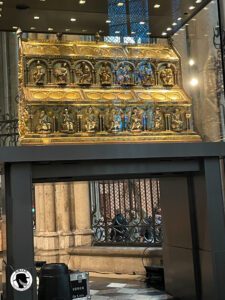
{"x": 136, "y": 120}
{"x": 67, "y": 124}
{"x": 44, "y": 123}
{"x": 91, "y": 120}
{"x": 176, "y": 120}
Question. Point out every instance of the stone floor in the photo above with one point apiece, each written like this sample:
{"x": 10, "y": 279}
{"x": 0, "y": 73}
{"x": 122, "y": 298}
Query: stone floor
{"x": 123, "y": 289}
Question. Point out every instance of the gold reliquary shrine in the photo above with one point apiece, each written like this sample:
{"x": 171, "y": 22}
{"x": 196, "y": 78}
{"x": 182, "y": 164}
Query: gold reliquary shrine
{"x": 102, "y": 93}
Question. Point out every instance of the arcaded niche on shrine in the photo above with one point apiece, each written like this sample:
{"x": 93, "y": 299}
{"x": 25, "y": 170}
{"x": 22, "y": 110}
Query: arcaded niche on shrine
{"x": 102, "y": 93}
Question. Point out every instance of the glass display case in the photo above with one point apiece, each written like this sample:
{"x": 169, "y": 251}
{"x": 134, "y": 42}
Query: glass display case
{"x": 136, "y": 71}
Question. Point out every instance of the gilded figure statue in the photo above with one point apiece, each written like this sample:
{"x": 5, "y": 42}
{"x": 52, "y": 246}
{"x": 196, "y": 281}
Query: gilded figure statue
{"x": 176, "y": 120}
{"x": 167, "y": 76}
{"x": 44, "y": 123}
{"x": 84, "y": 74}
{"x": 116, "y": 120}
{"x": 61, "y": 74}
{"x": 105, "y": 75}
{"x": 158, "y": 119}
{"x": 136, "y": 120}
{"x": 39, "y": 74}
{"x": 91, "y": 120}
{"x": 146, "y": 75}
{"x": 67, "y": 123}
{"x": 125, "y": 75}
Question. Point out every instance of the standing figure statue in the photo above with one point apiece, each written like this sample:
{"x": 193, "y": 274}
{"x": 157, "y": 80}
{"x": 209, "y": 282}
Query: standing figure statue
{"x": 125, "y": 75}
{"x": 158, "y": 119}
{"x": 91, "y": 120}
{"x": 39, "y": 74}
{"x": 146, "y": 75}
{"x": 44, "y": 123}
{"x": 176, "y": 120}
{"x": 61, "y": 74}
{"x": 105, "y": 75}
{"x": 136, "y": 120}
{"x": 167, "y": 76}
{"x": 67, "y": 124}
{"x": 84, "y": 73}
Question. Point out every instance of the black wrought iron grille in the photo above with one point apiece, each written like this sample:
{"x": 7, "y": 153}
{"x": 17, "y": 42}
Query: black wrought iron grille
{"x": 8, "y": 131}
{"x": 126, "y": 212}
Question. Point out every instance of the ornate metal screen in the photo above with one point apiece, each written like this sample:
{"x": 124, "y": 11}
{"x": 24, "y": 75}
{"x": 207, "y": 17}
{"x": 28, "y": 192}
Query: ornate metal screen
{"x": 126, "y": 212}
{"x": 8, "y": 131}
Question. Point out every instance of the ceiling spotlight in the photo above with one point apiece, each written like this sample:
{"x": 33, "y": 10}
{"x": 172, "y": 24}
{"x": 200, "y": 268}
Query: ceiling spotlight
{"x": 194, "y": 82}
{"x": 191, "y": 7}
{"x": 193, "y": 19}
{"x": 117, "y": 32}
{"x": 169, "y": 29}
{"x": 1, "y": 2}
{"x": 157, "y": 6}
{"x": 15, "y": 27}
{"x": 36, "y": 17}
{"x": 32, "y": 28}
{"x": 42, "y": 0}
{"x": 179, "y": 19}
{"x": 73, "y": 20}
{"x": 174, "y": 24}
{"x": 108, "y": 21}
{"x": 191, "y": 62}
{"x": 198, "y": 1}
{"x": 50, "y": 29}
{"x": 206, "y": 8}
{"x": 164, "y": 33}
{"x": 120, "y": 4}
{"x": 133, "y": 32}
{"x": 142, "y": 23}
{"x": 149, "y": 33}
{"x": 82, "y": 1}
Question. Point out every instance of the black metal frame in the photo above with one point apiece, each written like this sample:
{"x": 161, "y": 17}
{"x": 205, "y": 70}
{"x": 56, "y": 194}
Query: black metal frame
{"x": 24, "y": 166}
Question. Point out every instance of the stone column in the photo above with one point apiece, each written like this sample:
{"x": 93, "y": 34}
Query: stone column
{"x": 46, "y": 236}
{"x": 63, "y": 224}
{"x": 83, "y": 232}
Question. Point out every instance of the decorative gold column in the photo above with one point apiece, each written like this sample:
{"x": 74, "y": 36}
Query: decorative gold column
{"x": 63, "y": 223}
{"x": 45, "y": 234}
{"x": 83, "y": 232}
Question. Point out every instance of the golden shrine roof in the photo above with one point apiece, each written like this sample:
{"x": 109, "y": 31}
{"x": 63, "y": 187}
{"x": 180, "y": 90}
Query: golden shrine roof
{"x": 106, "y": 50}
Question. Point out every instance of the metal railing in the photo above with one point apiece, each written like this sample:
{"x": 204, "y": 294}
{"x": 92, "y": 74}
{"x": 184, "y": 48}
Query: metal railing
{"x": 126, "y": 212}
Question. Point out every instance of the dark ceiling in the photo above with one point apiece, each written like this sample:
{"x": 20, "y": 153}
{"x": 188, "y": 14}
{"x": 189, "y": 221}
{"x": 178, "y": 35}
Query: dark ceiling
{"x": 55, "y": 15}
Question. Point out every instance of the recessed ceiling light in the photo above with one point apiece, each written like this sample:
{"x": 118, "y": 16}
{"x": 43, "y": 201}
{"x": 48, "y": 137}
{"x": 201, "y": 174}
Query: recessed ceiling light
{"x": 82, "y": 1}
{"x": 179, "y": 19}
{"x": 73, "y": 20}
{"x": 157, "y": 6}
{"x": 193, "y": 19}
{"x": 174, "y": 24}
{"x": 133, "y": 32}
{"x": 1, "y": 2}
{"x": 15, "y": 27}
{"x": 120, "y": 4}
{"x": 176, "y": 34}
{"x": 182, "y": 29}
{"x": 117, "y": 32}
{"x": 50, "y": 29}
{"x": 36, "y": 17}
{"x": 194, "y": 82}
{"x": 84, "y": 30}
{"x": 187, "y": 24}
{"x": 191, "y": 62}
{"x": 191, "y": 7}
{"x": 205, "y": 8}
{"x": 168, "y": 28}
{"x": 164, "y": 33}
{"x": 67, "y": 29}
{"x": 142, "y": 23}
{"x": 42, "y": 0}
{"x": 0, "y": 15}
{"x": 0, "y": 9}
{"x": 108, "y": 21}
{"x": 198, "y": 1}
{"x": 149, "y": 33}
{"x": 32, "y": 28}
